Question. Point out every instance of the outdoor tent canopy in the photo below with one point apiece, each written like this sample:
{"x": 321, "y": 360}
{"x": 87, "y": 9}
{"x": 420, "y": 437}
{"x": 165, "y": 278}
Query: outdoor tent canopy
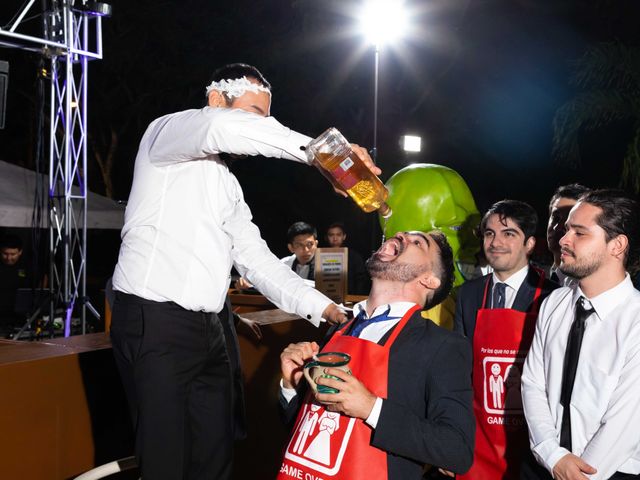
{"x": 17, "y": 188}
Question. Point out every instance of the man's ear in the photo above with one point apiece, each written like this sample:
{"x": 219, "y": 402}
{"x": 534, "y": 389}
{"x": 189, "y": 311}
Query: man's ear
{"x": 618, "y": 245}
{"x": 216, "y": 99}
{"x": 290, "y": 247}
{"x": 430, "y": 281}
{"x": 530, "y": 244}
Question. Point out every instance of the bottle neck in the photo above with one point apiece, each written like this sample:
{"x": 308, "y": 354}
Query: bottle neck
{"x": 385, "y": 210}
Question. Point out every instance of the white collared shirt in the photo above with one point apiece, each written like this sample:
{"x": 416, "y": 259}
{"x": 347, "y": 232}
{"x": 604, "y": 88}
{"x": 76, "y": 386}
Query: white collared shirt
{"x": 564, "y": 280}
{"x": 372, "y": 333}
{"x": 186, "y": 222}
{"x": 513, "y": 284}
{"x": 605, "y": 405}
{"x": 301, "y": 270}
{"x": 377, "y": 330}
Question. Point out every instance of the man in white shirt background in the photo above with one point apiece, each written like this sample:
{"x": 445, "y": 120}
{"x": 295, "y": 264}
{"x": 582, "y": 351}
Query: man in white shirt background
{"x": 186, "y": 224}
{"x": 562, "y": 201}
{"x": 581, "y": 381}
{"x": 302, "y": 242}
{"x": 408, "y": 400}
{"x": 497, "y": 313}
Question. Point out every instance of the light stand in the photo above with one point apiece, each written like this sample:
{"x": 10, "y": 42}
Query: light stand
{"x": 34, "y": 316}
{"x": 66, "y": 42}
{"x": 376, "y": 68}
{"x": 381, "y": 22}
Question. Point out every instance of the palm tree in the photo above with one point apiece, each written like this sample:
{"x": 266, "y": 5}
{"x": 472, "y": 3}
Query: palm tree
{"x": 609, "y": 76}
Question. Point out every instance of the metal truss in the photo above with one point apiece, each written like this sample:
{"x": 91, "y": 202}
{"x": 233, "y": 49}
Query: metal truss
{"x": 72, "y": 36}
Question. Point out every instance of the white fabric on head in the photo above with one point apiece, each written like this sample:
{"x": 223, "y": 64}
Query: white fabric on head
{"x": 236, "y": 87}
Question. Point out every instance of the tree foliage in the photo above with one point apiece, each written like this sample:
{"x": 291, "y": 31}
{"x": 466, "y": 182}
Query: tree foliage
{"x": 608, "y": 76}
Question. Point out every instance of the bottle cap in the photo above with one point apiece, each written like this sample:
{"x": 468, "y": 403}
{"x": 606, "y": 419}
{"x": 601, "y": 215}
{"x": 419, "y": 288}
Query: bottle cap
{"x": 385, "y": 210}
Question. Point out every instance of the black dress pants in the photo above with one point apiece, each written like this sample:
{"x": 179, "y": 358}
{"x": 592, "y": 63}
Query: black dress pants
{"x": 176, "y": 374}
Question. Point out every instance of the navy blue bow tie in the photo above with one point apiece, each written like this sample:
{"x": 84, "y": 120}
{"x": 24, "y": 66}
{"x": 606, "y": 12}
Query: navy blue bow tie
{"x": 360, "y": 322}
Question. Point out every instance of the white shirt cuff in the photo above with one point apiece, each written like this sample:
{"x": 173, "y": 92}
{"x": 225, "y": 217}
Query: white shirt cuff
{"x": 315, "y": 304}
{"x": 374, "y": 416}
{"x": 550, "y": 452}
{"x": 288, "y": 393}
{"x": 299, "y": 141}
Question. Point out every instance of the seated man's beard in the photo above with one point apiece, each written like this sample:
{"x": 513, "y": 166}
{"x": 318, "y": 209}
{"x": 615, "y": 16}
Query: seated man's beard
{"x": 395, "y": 270}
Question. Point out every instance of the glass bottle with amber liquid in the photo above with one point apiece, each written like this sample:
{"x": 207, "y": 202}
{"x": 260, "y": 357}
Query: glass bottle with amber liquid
{"x": 331, "y": 154}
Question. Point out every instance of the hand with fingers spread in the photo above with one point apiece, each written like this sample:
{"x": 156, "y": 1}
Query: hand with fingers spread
{"x": 292, "y": 361}
{"x": 251, "y": 325}
{"x": 242, "y": 284}
{"x": 363, "y": 155}
{"x": 334, "y": 315}
{"x": 572, "y": 467}
{"x": 353, "y": 398}
{"x": 446, "y": 473}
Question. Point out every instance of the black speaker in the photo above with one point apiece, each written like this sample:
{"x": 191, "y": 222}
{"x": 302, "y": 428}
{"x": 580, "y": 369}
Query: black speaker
{"x": 4, "y": 81}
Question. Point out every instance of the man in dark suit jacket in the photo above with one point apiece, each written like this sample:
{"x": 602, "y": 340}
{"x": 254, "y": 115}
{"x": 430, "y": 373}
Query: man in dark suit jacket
{"x": 425, "y": 416}
{"x": 498, "y": 310}
{"x": 471, "y": 294}
{"x": 507, "y": 247}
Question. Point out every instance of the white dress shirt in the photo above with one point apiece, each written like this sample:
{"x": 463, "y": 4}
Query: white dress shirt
{"x": 373, "y": 333}
{"x": 186, "y": 222}
{"x": 564, "y": 280}
{"x": 512, "y": 285}
{"x": 301, "y": 270}
{"x": 605, "y": 405}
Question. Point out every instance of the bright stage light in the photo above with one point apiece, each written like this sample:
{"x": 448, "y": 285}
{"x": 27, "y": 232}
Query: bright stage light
{"x": 383, "y": 21}
{"x": 411, "y": 143}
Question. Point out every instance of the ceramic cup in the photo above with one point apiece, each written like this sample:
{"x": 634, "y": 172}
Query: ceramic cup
{"x": 315, "y": 369}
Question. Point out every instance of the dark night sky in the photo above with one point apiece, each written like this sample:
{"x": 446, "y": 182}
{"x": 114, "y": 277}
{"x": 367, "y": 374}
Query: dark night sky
{"x": 480, "y": 82}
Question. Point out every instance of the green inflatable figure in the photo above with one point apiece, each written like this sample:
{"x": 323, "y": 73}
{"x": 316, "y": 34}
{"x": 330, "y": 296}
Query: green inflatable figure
{"x": 426, "y": 197}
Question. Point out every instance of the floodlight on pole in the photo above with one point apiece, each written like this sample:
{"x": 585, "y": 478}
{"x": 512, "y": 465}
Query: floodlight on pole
{"x": 382, "y": 22}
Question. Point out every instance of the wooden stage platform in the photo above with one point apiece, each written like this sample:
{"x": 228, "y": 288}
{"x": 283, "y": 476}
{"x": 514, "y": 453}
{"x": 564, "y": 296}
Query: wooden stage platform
{"x": 62, "y": 408}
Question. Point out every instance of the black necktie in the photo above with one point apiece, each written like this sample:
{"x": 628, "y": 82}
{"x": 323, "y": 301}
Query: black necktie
{"x": 571, "y": 357}
{"x": 498, "y": 295}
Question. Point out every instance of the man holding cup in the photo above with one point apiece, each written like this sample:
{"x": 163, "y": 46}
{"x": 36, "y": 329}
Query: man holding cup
{"x": 407, "y": 401}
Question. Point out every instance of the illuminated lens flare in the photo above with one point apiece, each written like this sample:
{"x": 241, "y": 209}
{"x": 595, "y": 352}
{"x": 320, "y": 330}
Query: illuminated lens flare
{"x": 383, "y": 21}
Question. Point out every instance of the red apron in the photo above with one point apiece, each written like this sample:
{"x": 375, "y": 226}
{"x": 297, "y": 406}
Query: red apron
{"x": 500, "y": 344}
{"x": 328, "y": 445}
